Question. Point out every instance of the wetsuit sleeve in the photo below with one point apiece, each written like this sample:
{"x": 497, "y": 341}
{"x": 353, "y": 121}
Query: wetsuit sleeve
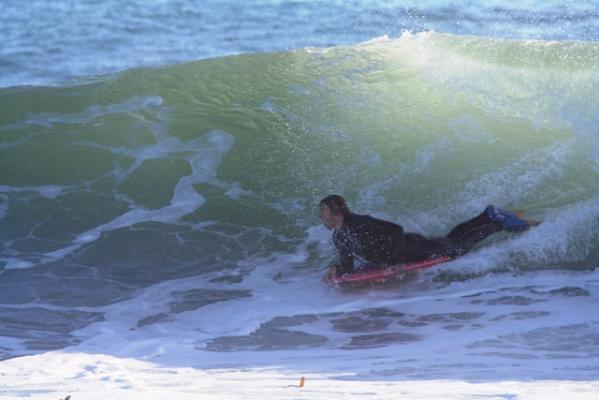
{"x": 346, "y": 258}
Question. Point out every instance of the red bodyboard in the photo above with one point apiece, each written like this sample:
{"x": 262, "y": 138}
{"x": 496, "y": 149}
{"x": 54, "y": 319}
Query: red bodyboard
{"x": 384, "y": 274}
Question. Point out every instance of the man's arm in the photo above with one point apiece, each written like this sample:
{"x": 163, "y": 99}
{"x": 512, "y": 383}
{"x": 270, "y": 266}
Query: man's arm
{"x": 396, "y": 234}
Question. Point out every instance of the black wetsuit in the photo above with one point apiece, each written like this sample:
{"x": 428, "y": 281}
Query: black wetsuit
{"x": 385, "y": 243}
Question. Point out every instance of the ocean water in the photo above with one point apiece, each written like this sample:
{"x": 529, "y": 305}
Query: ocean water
{"x": 61, "y": 41}
{"x": 168, "y": 212}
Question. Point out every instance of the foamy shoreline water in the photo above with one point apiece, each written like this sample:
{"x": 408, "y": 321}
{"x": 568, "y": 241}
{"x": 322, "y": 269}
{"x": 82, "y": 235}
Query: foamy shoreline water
{"x": 56, "y": 375}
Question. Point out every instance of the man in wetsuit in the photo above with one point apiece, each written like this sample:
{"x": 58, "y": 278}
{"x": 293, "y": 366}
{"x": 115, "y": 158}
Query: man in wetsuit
{"x": 384, "y": 243}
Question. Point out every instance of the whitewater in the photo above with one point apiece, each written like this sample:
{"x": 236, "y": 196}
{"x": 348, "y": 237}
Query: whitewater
{"x": 159, "y": 224}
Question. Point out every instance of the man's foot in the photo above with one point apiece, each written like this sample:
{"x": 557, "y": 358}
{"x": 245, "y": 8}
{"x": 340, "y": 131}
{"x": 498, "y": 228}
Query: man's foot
{"x": 519, "y": 213}
{"x": 512, "y": 221}
{"x": 531, "y": 222}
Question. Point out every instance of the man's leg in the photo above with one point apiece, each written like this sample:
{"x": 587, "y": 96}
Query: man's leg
{"x": 467, "y": 234}
{"x": 466, "y": 228}
{"x": 418, "y": 247}
{"x": 493, "y": 219}
{"x": 468, "y": 239}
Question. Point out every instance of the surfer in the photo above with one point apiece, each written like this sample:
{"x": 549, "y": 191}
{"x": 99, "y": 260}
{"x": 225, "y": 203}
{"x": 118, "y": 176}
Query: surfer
{"x": 383, "y": 243}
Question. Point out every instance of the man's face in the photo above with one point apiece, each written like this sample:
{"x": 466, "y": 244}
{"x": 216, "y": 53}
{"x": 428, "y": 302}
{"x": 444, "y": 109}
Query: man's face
{"x": 328, "y": 219}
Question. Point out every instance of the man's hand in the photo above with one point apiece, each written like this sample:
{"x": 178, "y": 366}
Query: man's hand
{"x": 330, "y": 274}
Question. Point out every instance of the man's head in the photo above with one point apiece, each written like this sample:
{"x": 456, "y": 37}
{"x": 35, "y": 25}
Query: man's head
{"x": 333, "y": 209}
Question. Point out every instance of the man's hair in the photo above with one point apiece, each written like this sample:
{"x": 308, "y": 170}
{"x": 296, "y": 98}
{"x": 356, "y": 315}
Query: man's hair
{"x": 336, "y": 204}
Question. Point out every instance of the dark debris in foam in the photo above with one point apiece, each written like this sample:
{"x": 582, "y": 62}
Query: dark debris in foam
{"x": 570, "y": 291}
{"x": 193, "y": 299}
{"x": 508, "y": 355}
{"x": 368, "y": 328}
{"x": 380, "y": 340}
{"x": 534, "y": 294}
{"x": 572, "y": 341}
{"x": 452, "y": 321}
{"x": 451, "y": 317}
{"x": 368, "y": 320}
{"x": 271, "y": 336}
{"x": 227, "y": 279}
{"x": 521, "y": 315}
{"x": 509, "y": 300}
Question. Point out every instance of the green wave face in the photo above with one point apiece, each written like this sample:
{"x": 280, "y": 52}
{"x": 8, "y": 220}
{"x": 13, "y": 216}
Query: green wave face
{"x": 209, "y": 163}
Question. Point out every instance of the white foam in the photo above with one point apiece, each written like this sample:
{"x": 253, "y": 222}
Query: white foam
{"x": 95, "y": 376}
{"x": 179, "y": 339}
